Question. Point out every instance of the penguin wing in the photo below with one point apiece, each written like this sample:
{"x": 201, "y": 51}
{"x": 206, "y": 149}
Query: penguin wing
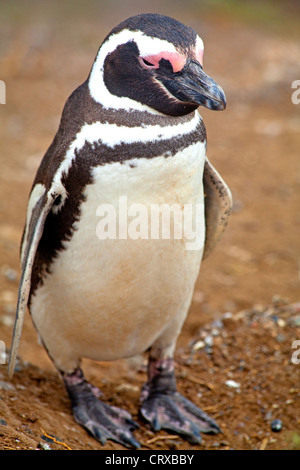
{"x": 218, "y": 205}
{"x": 40, "y": 204}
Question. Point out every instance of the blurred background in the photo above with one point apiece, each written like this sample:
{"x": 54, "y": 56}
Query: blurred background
{"x": 252, "y": 50}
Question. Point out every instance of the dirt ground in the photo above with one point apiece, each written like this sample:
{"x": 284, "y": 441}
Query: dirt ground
{"x": 235, "y": 357}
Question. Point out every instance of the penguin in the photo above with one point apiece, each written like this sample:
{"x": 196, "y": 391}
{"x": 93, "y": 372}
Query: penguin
{"x": 130, "y": 133}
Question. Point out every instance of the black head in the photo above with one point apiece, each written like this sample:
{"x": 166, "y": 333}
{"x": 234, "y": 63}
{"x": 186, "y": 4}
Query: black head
{"x": 153, "y": 61}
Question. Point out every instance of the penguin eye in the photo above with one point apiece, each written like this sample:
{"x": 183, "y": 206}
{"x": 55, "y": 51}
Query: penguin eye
{"x": 145, "y": 63}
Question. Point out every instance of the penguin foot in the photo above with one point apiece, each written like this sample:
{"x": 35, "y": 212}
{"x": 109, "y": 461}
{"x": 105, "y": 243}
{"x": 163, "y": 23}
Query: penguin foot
{"x": 164, "y": 408}
{"x": 177, "y": 414}
{"x": 101, "y": 420}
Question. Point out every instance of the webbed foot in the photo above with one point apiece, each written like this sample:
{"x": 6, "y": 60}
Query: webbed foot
{"x": 166, "y": 409}
{"x": 101, "y": 420}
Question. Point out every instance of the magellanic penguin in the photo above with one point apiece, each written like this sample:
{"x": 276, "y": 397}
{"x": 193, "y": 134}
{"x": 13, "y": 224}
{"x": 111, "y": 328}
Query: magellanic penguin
{"x": 130, "y": 133}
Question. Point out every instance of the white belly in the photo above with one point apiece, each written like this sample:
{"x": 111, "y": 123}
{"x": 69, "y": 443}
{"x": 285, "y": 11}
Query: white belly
{"x": 112, "y": 298}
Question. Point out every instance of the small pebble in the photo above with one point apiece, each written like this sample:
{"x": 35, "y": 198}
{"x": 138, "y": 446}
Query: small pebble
{"x": 209, "y": 340}
{"x": 198, "y": 345}
{"x": 227, "y": 315}
{"x": 3, "y": 356}
{"x": 10, "y": 274}
{"x": 276, "y": 425}
{"x": 215, "y": 331}
{"x": 44, "y": 446}
{"x": 232, "y": 384}
{"x": 218, "y": 324}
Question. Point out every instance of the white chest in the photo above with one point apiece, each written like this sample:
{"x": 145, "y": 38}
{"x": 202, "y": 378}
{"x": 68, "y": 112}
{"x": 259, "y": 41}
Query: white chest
{"x": 122, "y": 278}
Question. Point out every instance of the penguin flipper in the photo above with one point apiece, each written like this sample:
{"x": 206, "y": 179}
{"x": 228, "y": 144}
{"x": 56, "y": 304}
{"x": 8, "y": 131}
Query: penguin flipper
{"x": 218, "y": 205}
{"x": 34, "y": 230}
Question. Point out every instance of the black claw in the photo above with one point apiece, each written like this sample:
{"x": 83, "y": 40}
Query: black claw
{"x": 130, "y": 441}
{"x": 132, "y": 424}
{"x": 155, "y": 423}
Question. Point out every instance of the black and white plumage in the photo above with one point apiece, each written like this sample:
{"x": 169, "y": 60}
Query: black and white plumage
{"x": 132, "y": 128}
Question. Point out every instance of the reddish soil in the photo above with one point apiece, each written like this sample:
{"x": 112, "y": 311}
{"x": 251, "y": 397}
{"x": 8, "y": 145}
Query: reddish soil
{"x": 247, "y": 295}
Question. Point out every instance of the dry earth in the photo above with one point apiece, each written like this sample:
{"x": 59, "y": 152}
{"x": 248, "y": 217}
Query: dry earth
{"x": 245, "y": 313}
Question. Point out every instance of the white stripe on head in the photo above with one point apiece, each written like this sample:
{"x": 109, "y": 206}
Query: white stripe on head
{"x": 147, "y": 46}
{"x": 199, "y": 49}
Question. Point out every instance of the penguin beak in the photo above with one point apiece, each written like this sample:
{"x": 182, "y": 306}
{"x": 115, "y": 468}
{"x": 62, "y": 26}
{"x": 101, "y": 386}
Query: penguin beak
{"x": 192, "y": 85}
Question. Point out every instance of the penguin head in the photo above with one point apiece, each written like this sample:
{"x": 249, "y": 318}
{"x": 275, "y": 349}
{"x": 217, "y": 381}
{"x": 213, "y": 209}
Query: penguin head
{"x": 153, "y": 62}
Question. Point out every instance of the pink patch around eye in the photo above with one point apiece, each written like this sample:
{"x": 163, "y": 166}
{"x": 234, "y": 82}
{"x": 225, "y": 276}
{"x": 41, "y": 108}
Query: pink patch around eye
{"x": 177, "y": 61}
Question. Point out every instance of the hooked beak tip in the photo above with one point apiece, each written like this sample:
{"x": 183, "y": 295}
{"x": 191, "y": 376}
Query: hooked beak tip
{"x": 202, "y": 89}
